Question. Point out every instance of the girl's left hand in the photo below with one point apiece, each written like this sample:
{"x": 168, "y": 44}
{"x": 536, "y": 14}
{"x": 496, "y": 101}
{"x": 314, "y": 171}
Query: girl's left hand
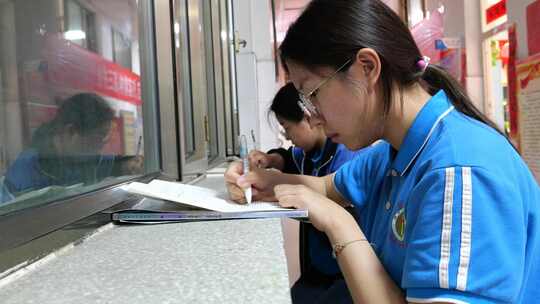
{"x": 323, "y": 212}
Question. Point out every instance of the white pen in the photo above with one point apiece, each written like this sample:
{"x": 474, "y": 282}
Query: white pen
{"x": 254, "y": 141}
{"x": 245, "y": 164}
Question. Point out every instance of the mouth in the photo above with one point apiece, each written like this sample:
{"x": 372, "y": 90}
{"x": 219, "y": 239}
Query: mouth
{"x": 333, "y": 136}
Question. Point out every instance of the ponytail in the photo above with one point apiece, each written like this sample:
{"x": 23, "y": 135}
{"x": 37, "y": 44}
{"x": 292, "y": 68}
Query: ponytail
{"x": 436, "y": 78}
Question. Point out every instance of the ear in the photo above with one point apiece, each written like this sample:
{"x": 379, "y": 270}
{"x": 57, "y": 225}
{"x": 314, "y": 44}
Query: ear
{"x": 366, "y": 67}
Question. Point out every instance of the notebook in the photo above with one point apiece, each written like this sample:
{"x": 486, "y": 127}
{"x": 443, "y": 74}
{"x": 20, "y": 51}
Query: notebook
{"x": 198, "y": 197}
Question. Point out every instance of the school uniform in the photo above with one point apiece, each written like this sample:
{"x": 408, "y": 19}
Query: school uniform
{"x": 454, "y": 214}
{"x": 319, "y": 270}
{"x": 27, "y": 173}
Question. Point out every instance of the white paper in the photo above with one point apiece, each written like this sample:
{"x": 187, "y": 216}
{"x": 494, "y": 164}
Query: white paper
{"x": 196, "y": 196}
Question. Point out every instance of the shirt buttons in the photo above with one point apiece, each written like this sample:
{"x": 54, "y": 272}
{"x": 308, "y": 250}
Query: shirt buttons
{"x": 388, "y": 205}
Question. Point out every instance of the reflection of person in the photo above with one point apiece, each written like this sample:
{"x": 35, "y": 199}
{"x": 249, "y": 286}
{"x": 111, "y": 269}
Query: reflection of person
{"x": 448, "y": 209}
{"x": 313, "y": 154}
{"x": 66, "y": 150}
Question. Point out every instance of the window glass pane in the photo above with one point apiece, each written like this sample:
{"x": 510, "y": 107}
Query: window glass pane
{"x": 70, "y": 116}
{"x": 184, "y": 60}
{"x": 121, "y": 49}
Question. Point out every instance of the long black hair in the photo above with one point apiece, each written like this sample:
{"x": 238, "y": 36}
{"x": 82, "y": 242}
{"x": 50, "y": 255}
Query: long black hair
{"x": 285, "y": 104}
{"x": 330, "y": 32}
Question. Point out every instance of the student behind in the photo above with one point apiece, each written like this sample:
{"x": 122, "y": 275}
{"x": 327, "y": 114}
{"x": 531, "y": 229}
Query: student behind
{"x": 312, "y": 154}
{"x": 67, "y": 150}
{"x": 449, "y": 211}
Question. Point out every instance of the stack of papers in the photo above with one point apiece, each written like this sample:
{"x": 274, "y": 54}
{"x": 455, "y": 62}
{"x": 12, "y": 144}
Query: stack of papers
{"x": 194, "y": 203}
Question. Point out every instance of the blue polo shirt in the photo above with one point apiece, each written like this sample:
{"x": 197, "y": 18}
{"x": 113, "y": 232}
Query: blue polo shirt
{"x": 454, "y": 214}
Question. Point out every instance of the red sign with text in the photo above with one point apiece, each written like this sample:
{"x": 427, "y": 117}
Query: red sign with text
{"x": 71, "y": 66}
{"x": 496, "y": 11}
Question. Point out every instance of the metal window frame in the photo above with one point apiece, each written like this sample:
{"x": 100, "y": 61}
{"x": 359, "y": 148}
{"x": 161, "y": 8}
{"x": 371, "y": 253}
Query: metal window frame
{"x": 170, "y": 119}
{"x": 161, "y": 146}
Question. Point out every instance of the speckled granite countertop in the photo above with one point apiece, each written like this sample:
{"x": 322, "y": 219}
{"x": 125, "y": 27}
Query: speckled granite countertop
{"x": 202, "y": 262}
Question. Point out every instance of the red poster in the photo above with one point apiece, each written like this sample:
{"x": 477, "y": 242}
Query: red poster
{"x": 533, "y": 27}
{"x": 528, "y": 86}
{"x": 512, "y": 76}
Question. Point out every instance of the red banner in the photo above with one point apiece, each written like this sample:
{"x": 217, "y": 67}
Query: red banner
{"x": 513, "y": 109}
{"x": 496, "y": 11}
{"x": 71, "y": 66}
{"x": 533, "y": 27}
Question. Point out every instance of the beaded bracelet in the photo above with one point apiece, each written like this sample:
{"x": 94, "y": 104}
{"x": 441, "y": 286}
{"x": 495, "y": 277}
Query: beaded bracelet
{"x": 338, "y": 247}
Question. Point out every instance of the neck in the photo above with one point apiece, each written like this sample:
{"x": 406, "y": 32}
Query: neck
{"x": 321, "y": 140}
{"x": 405, "y": 108}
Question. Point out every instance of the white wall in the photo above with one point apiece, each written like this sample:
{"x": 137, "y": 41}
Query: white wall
{"x": 255, "y": 70}
{"x": 454, "y": 15}
{"x": 473, "y": 43}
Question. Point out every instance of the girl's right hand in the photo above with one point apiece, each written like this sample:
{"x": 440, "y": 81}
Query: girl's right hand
{"x": 234, "y": 171}
{"x": 262, "y": 182}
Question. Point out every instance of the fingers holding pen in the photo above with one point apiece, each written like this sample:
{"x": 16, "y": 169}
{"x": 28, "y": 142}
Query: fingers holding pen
{"x": 234, "y": 171}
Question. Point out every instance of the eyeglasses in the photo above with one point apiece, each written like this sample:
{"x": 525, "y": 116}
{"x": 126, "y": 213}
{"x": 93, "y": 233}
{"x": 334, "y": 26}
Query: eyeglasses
{"x": 305, "y": 99}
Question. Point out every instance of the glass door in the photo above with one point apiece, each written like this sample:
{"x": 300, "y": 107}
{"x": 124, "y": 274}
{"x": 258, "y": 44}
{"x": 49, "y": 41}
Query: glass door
{"x": 495, "y": 49}
{"x": 213, "y": 76}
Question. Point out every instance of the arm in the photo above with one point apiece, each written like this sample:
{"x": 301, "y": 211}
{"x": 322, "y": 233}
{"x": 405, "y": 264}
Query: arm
{"x": 366, "y": 277}
{"x": 264, "y": 182}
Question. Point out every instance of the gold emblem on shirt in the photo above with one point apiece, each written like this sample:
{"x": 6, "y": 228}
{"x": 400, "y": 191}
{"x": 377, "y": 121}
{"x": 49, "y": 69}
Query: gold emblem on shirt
{"x": 398, "y": 225}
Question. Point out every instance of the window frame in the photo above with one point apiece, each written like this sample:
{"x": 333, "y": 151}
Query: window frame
{"x": 31, "y": 225}
{"x": 89, "y": 42}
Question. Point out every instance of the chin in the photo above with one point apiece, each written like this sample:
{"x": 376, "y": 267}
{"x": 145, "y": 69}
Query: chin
{"x": 355, "y": 145}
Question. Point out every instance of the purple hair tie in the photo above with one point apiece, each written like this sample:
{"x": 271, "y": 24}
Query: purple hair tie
{"x": 423, "y": 63}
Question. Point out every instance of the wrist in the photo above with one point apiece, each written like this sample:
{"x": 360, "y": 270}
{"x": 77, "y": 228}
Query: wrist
{"x": 343, "y": 228}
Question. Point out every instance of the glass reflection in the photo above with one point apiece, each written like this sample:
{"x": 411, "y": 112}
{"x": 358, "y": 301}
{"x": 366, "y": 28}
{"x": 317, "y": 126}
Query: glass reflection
{"x": 70, "y": 98}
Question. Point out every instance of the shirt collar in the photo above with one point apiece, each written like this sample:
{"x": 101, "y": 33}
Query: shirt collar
{"x": 418, "y": 134}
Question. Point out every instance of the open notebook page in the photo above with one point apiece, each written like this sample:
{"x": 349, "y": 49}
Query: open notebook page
{"x": 196, "y": 196}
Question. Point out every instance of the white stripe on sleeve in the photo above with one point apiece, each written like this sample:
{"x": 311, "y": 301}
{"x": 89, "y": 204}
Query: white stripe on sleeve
{"x": 446, "y": 227}
{"x": 466, "y": 230}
